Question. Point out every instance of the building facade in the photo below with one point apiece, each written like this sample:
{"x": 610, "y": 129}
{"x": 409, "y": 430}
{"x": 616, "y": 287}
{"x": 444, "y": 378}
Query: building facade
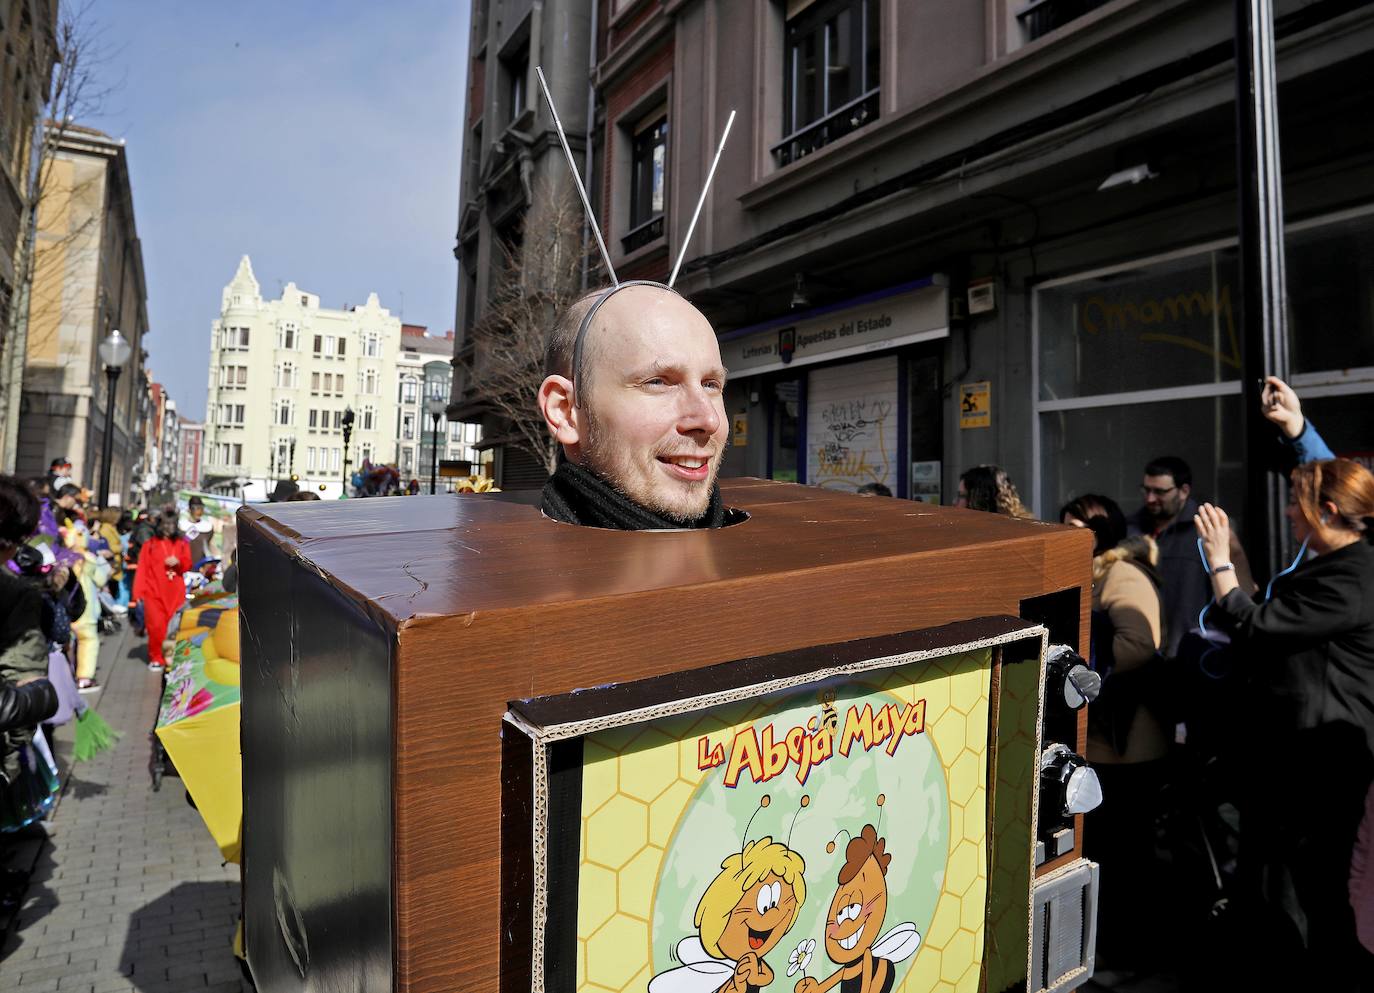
{"x": 948, "y": 234}
{"x": 28, "y": 34}
{"x": 511, "y": 152}
{"x": 424, "y": 370}
{"x": 285, "y": 377}
{"x": 189, "y": 454}
{"x": 87, "y": 281}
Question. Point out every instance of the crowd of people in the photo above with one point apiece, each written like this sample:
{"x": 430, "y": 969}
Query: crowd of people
{"x": 1233, "y": 720}
{"x": 72, "y": 571}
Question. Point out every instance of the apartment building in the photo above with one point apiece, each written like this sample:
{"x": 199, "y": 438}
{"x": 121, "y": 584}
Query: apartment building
{"x": 191, "y": 441}
{"x": 952, "y": 233}
{"x": 296, "y": 389}
{"x": 424, "y": 371}
{"x": 87, "y": 281}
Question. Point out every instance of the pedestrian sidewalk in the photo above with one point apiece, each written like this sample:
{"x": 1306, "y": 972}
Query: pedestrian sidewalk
{"x": 128, "y": 893}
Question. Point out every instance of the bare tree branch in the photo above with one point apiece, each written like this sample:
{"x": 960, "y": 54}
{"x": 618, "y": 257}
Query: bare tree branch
{"x": 539, "y": 279}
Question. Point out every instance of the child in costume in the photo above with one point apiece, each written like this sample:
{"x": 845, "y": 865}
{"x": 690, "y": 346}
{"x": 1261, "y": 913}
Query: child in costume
{"x": 158, "y": 583}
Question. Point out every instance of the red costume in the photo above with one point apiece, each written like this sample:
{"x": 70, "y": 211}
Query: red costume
{"x": 160, "y": 588}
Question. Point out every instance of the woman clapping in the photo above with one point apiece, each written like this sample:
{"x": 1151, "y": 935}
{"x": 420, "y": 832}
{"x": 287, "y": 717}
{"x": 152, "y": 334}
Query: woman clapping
{"x": 1308, "y": 646}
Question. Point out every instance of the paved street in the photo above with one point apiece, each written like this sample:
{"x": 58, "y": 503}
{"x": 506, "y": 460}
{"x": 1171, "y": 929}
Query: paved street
{"x": 128, "y": 891}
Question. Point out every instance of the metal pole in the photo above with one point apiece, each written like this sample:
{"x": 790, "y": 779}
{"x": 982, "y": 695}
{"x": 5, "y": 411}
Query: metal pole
{"x": 434, "y": 456}
{"x": 1264, "y": 302}
{"x": 107, "y": 446}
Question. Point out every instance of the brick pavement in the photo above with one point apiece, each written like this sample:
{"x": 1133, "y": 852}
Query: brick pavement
{"x": 128, "y": 893}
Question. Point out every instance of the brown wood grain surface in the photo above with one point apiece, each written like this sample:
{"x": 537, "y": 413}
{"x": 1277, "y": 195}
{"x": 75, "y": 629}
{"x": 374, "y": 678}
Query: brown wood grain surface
{"x": 493, "y": 603}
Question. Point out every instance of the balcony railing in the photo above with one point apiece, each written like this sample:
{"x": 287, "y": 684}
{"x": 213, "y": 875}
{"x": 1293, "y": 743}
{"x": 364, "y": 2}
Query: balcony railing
{"x": 1040, "y": 17}
{"x": 818, "y": 134}
{"x": 650, "y": 230}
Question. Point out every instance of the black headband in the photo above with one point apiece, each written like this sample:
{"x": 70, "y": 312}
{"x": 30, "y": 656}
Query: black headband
{"x": 587, "y": 323}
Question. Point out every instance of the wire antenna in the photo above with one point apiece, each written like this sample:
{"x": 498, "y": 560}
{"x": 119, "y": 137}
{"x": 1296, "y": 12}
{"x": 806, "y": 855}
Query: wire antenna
{"x": 577, "y": 177}
{"x": 682, "y": 252}
{"x": 830, "y": 845}
{"x": 805, "y": 802}
{"x": 764, "y": 801}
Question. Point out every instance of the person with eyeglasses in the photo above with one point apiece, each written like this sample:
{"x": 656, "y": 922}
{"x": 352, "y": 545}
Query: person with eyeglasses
{"x": 1166, "y": 515}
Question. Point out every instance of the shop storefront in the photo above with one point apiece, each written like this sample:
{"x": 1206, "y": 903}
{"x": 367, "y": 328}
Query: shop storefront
{"x": 842, "y": 396}
{"x": 1142, "y": 360}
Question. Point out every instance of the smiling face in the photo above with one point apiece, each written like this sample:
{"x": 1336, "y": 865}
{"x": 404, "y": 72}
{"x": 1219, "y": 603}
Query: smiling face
{"x": 760, "y": 919}
{"x": 651, "y": 418}
{"x": 856, "y": 914}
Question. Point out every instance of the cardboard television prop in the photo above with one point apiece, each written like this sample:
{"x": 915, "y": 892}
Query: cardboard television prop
{"x": 487, "y": 751}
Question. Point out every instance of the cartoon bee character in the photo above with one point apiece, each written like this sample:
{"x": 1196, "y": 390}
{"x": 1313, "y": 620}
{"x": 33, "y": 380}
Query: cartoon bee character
{"x": 867, "y": 963}
{"x": 744, "y": 913}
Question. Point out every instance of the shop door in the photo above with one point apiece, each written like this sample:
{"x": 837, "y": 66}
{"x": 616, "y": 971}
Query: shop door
{"x": 851, "y": 425}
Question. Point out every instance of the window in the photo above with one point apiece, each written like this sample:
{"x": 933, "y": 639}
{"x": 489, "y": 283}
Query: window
{"x": 370, "y": 382}
{"x": 235, "y": 339}
{"x": 517, "y": 69}
{"x": 286, "y": 375}
{"x": 408, "y": 427}
{"x": 407, "y": 461}
{"x": 338, "y": 420}
{"x": 233, "y": 376}
{"x": 372, "y": 346}
{"x": 368, "y": 419}
{"x": 319, "y": 344}
{"x": 305, "y": 300}
{"x": 334, "y": 459}
{"x": 1147, "y": 355}
{"x": 830, "y": 73}
{"x": 648, "y": 164}
{"x": 231, "y": 415}
{"x": 365, "y": 452}
{"x": 410, "y": 391}
{"x": 315, "y": 383}
{"x": 284, "y": 412}
{"x": 342, "y": 343}
{"x": 286, "y": 336}
{"x": 314, "y": 418}
{"x": 310, "y": 457}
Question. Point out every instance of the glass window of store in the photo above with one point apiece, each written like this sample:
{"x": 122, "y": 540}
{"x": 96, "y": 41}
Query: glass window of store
{"x": 1143, "y": 360}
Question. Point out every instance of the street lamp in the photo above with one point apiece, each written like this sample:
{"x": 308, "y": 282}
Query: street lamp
{"x": 434, "y": 406}
{"x": 348, "y": 433}
{"x": 114, "y": 352}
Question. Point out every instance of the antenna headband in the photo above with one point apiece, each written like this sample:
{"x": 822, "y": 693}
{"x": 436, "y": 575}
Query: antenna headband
{"x": 586, "y": 324}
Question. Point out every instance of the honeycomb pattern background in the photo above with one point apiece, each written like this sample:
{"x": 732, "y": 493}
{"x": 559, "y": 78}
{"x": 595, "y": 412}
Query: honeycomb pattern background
{"x": 637, "y": 781}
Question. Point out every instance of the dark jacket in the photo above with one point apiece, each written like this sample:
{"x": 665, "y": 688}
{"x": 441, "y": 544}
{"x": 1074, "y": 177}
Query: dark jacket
{"x": 1312, "y": 642}
{"x": 1185, "y": 588}
{"x": 27, "y": 705}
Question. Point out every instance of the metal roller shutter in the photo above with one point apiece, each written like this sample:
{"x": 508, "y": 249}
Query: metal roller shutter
{"x": 851, "y": 425}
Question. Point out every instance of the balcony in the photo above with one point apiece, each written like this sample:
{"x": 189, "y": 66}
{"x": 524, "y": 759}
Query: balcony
{"x": 1040, "y": 17}
{"x": 818, "y": 134}
{"x": 650, "y": 231}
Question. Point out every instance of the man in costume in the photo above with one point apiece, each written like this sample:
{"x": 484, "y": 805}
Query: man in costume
{"x": 634, "y": 395}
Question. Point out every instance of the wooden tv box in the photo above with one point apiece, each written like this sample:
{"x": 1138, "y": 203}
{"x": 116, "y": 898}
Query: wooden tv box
{"x": 384, "y": 642}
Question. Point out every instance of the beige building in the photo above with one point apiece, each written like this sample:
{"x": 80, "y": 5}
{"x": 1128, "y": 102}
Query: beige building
{"x": 88, "y": 280}
{"x": 27, "y": 37}
{"x": 284, "y": 374}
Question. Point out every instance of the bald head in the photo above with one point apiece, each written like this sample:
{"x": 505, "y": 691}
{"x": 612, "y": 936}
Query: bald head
{"x": 648, "y": 413}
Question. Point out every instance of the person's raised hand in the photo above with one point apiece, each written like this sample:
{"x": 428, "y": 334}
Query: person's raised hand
{"x": 1282, "y": 407}
{"x": 1214, "y": 528}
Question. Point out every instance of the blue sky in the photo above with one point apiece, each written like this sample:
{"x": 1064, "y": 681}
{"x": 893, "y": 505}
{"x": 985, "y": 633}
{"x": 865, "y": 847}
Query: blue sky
{"x": 323, "y": 139}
